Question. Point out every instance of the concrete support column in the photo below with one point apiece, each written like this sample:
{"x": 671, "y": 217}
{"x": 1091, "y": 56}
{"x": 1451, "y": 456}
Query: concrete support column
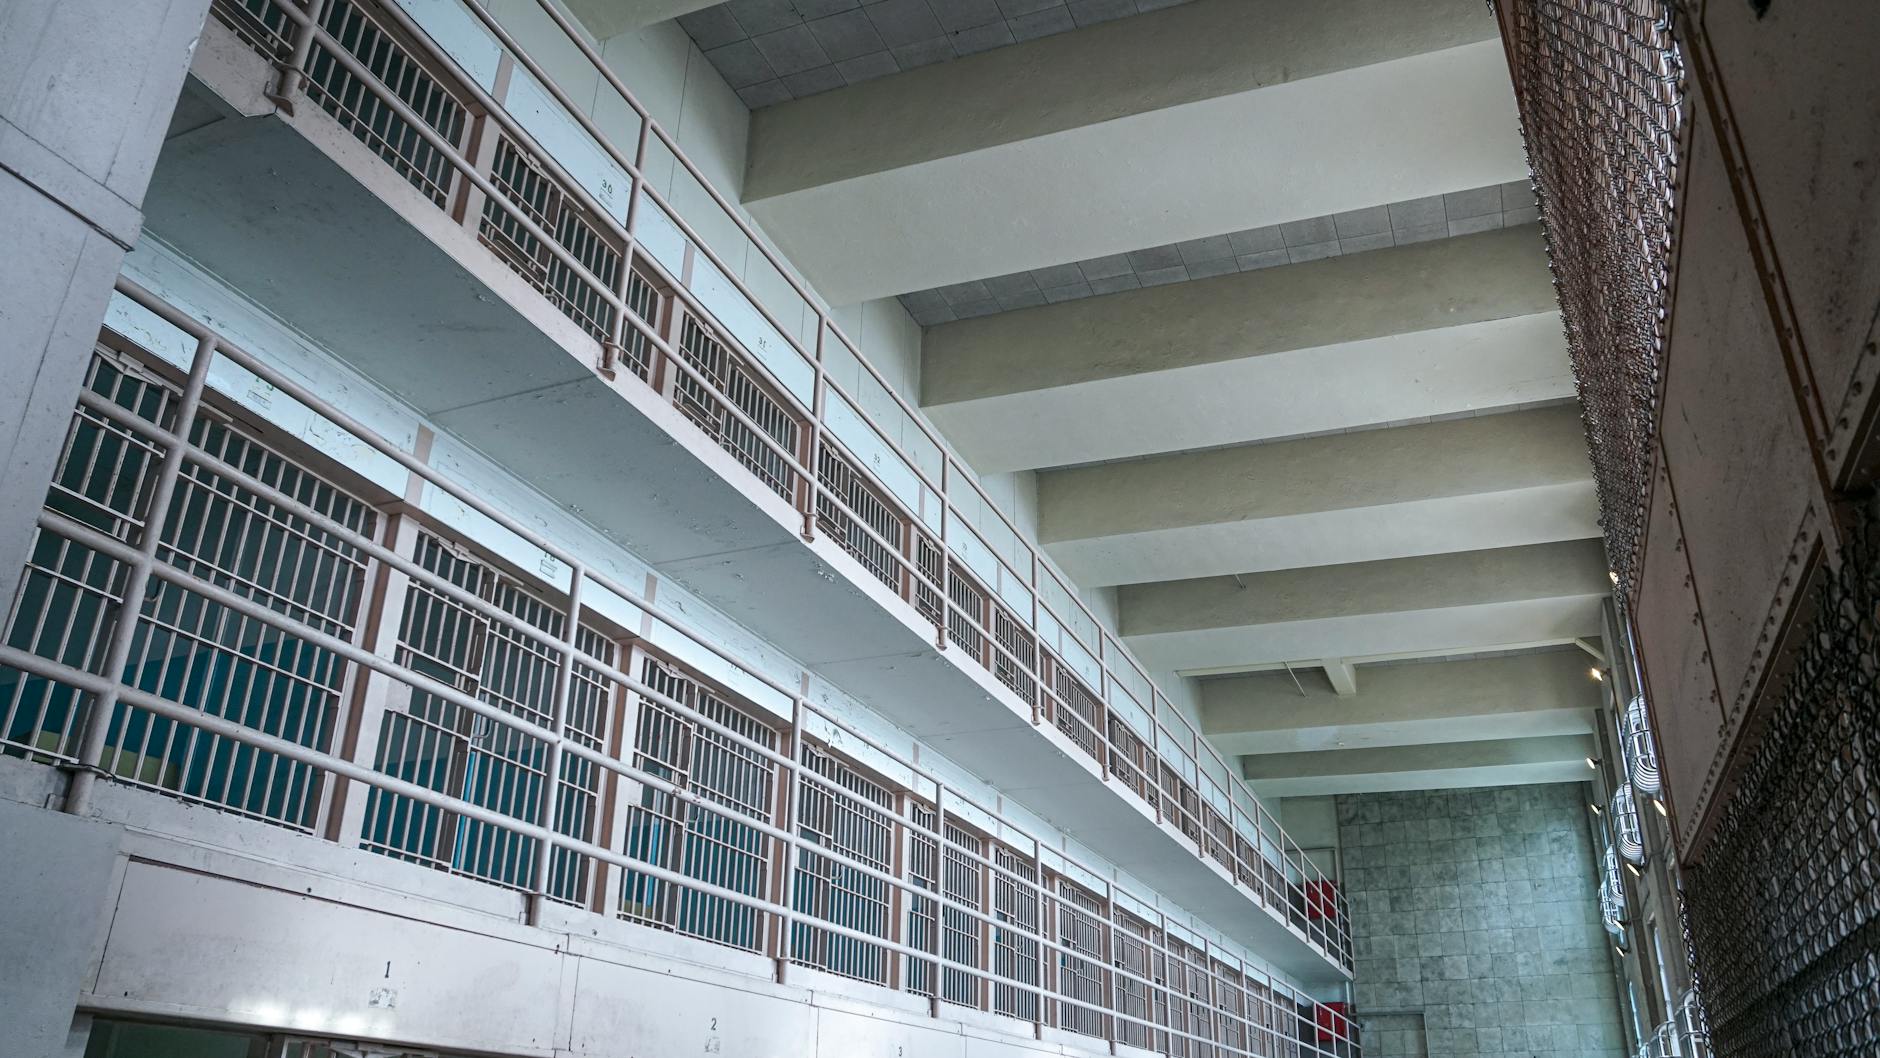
{"x": 78, "y": 1037}
{"x": 86, "y": 91}
{"x": 57, "y": 877}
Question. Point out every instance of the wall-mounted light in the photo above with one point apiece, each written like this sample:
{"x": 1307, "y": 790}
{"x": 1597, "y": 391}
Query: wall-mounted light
{"x": 1614, "y": 574}
{"x": 1620, "y": 948}
{"x": 1598, "y": 811}
{"x": 1633, "y": 867}
{"x": 1593, "y": 763}
{"x": 1659, "y": 804}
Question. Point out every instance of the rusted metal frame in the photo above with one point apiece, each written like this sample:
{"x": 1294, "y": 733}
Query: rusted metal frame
{"x": 139, "y": 566}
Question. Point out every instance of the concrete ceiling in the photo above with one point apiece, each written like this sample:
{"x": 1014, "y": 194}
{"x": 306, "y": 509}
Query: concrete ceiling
{"x": 771, "y": 51}
{"x": 1253, "y": 292}
{"x": 1213, "y": 117}
{"x": 1295, "y": 242}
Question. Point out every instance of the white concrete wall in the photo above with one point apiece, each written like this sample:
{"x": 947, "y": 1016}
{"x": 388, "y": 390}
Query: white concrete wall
{"x": 250, "y": 327}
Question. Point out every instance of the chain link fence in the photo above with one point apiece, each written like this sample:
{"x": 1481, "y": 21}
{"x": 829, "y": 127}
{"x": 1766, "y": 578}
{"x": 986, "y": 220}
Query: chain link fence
{"x": 1785, "y": 910}
{"x": 1600, "y": 89}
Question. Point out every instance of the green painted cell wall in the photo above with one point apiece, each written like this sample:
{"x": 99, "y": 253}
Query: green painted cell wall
{"x": 1475, "y": 918}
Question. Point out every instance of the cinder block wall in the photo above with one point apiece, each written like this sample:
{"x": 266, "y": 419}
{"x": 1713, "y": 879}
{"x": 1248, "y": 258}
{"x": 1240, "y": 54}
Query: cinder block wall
{"x": 1475, "y": 917}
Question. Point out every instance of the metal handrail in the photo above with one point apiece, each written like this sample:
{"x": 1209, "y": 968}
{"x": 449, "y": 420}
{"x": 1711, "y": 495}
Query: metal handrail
{"x": 1108, "y": 652}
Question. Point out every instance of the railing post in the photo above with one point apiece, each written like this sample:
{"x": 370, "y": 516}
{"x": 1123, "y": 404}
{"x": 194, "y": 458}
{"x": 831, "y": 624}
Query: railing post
{"x": 617, "y": 336}
{"x": 608, "y": 814}
{"x": 293, "y": 70}
{"x": 813, "y": 446}
{"x": 550, "y": 808}
{"x": 897, "y": 895}
{"x": 792, "y": 794}
{"x": 97, "y": 724}
{"x": 940, "y": 896}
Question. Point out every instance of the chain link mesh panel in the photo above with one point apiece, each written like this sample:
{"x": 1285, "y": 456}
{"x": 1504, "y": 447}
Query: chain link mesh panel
{"x": 1600, "y": 88}
{"x": 1785, "y": 911}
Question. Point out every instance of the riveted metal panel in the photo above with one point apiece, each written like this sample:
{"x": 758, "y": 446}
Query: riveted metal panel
{"x": 1683, "y": 689}
{"x": 1738, "y": 454}
{"x": 1801, "y": 103}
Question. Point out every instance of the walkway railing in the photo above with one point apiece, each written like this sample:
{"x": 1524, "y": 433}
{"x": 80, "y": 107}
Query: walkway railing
{"x": 310, "y": 649}
{"x": 442, "y": 92}
{"x": 1683, "y": 1035}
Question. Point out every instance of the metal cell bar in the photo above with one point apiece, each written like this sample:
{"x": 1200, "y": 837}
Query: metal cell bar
{"x": 326, "y": 762}
{"x": 564, "y": 688}
{"x": 137, "y": 577}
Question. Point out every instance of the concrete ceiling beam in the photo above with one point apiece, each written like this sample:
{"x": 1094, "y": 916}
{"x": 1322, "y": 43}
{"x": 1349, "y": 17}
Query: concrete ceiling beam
{"x": 1402, "y": 704}
{"x": 1496, "y": 762}
{"x": 1193, "y": 121}
{"x": 1484, "y": 482}
{"x": 1428, "y": 329}
{"x": 1342, "y": 675}
{"x": 1465, "y": 601}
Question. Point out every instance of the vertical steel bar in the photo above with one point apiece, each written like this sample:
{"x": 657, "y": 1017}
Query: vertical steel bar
{"x": 293, "y": 75}
{"x": 813, "y": 447}
{"x": 550, "y": 810}
{"x": 787, "y": 823}
{"x": 136, "y": 582}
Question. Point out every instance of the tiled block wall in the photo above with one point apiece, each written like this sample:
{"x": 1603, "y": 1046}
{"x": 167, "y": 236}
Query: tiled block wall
{"x": 1478, "y": 910}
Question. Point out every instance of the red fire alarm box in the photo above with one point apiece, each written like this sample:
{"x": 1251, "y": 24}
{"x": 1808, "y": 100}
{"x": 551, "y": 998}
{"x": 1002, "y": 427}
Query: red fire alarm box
{"x": 1333, "y": 1024}
{"x": 1322, "y": 899}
